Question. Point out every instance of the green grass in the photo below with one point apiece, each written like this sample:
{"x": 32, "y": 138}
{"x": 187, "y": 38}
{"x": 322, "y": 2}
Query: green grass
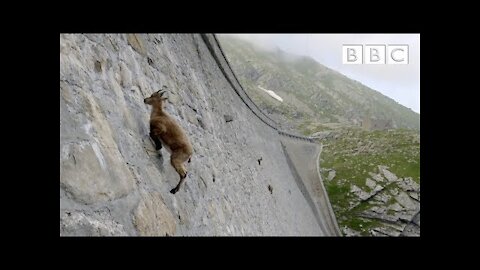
{"x": 307, "y": 127}
{"x": 362, "y": 225}
{"x": 393, "y": 149}
{"x": 397, "y": 149}
{"x": 338, "y": 194}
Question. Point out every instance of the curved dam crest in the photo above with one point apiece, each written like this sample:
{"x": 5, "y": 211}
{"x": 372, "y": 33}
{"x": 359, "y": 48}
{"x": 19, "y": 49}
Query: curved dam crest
{"x": 113, "y": 183}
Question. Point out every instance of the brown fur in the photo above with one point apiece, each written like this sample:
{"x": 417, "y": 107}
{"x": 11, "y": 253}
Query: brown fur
{"x": 165, "y": 130}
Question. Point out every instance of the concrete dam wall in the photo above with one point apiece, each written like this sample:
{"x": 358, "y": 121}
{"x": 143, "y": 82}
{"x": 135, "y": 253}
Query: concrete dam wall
{"x": 113, "y": 183}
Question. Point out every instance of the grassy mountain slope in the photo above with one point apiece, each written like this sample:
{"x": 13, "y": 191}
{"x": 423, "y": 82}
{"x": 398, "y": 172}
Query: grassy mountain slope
{"x": 312, "y": 92}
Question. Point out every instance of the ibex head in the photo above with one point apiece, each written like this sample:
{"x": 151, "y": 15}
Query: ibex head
{"x": 156, "y": 98}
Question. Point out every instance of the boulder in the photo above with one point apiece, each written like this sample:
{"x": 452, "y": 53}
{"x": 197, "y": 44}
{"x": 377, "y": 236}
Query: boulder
{"x": 370, "y": 183}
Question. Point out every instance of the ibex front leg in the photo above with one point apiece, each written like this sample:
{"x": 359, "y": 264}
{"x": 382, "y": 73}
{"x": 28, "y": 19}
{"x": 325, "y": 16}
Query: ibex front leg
{"x": 158, "y": 143}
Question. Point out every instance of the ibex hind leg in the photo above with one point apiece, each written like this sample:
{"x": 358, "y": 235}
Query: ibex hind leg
{"x": 177, "y": 163}
{"x": 174, "y": 190}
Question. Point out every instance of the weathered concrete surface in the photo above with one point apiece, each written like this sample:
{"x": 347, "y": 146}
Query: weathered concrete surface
{"x": 304, "y": 157}
{"x": 152, "y": 217}
{"x": 112, "y": 182}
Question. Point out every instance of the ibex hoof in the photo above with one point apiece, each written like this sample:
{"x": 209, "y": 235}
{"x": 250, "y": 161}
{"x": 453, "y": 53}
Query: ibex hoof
{"x": 173, "y": 191}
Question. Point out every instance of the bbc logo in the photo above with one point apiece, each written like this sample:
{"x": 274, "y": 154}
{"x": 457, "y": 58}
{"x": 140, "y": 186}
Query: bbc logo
{"x": 375, "y": 54}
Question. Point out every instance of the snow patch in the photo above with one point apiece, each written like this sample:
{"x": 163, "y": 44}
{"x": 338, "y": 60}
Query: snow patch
{"x": 272, "y": 93}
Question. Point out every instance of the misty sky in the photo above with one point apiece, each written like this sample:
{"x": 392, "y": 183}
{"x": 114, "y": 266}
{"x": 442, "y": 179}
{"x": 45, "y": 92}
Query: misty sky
{"x": 399, "y": 82}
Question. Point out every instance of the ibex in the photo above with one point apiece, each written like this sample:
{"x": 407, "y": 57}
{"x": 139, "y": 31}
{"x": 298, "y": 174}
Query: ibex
{"x": 164, "y": 130}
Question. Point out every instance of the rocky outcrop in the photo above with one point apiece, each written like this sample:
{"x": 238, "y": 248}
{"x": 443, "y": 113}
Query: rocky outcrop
{"x": 112, "y": 182}
{"x": 393, "y": 202}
